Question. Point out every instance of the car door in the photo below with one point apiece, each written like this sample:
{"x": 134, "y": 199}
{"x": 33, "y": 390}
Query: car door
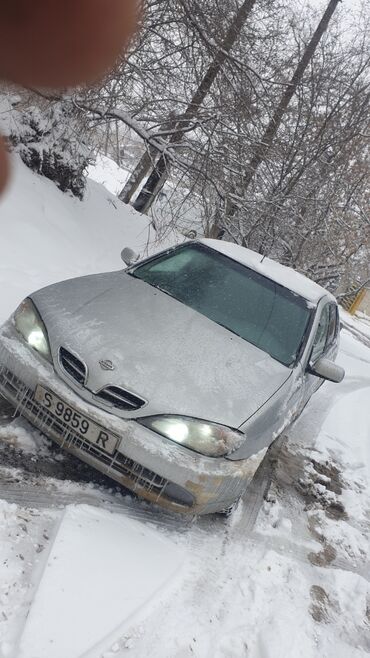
{"x": 325, "y": 344}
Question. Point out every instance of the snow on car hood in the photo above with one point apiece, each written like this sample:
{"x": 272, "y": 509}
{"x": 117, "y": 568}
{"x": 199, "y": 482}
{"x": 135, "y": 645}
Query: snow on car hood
{"x": 177, "y": 359}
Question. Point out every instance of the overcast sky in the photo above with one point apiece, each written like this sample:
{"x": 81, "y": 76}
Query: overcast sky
{"x": 347, "y": 8}
{"x": 350, "y": 4}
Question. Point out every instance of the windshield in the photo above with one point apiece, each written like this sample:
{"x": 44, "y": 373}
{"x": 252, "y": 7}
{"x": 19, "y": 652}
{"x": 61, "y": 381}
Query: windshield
{"x": 255, "y": 308}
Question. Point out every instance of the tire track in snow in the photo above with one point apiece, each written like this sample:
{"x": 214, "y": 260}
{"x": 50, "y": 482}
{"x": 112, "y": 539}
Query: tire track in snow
{"x": 28, "y": 497}
{"x": 42, "y": 497}
{"x": 357, "y": 333}
{"x": 299, "y": 548}
{"x": 299, "y": 552}
{"x": 253, "y": 498}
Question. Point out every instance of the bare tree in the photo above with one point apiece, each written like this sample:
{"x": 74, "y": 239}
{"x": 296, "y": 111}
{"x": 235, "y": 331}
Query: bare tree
{"x": 264, "y": 145}
{"x": 160, "y": 172}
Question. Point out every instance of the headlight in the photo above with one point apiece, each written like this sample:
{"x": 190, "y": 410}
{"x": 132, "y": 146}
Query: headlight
{"x": 28, "y": 323}
{"x": 209, "y": 439}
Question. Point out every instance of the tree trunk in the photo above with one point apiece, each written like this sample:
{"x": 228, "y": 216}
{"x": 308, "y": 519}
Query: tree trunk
{"x": 138, "y": 174}
{"x": 159, "y": 174}
{"x": 118, "y": 154}
{"x": 264, "y": 146}
{"x": 107, "y": 135}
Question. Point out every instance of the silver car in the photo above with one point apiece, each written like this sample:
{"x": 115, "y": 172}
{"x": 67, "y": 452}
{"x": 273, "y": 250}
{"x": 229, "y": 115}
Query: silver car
{"x": 172, "y": 375}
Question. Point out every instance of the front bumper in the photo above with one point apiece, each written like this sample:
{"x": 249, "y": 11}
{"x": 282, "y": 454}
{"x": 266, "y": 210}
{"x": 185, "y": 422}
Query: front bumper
{"x": 148, "y": 464}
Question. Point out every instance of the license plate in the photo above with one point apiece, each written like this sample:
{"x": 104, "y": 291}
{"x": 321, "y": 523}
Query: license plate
{"x": 80, "y": 424}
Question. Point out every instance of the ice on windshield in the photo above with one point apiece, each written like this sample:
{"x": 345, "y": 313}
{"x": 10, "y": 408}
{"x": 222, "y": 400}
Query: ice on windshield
{"x": 250, "y": 305}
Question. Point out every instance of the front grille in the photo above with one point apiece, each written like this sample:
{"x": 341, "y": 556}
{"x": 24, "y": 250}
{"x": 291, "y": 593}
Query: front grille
{"x": 24, "y": 401}
{"x": 72, "y": 365}
{"x": 120, "y": 398}
{"x": 115, "y": 396}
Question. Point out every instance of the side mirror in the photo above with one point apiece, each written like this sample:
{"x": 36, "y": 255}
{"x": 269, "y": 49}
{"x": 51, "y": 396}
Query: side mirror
{"x": 128, "y": 256}
{"x": 192, "y": 234}
{"x": 327, "y": 370}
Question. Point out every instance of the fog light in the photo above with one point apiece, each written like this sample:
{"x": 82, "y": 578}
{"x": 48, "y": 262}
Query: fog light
{"x": 178, "y": 494}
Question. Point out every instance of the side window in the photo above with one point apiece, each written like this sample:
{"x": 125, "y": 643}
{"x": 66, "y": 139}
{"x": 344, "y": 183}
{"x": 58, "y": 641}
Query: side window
{"x": 322, "y": 333}
{"x": 333, "y": 325}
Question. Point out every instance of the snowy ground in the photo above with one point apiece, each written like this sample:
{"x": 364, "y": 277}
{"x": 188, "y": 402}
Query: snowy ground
{"x": 87, "y": 570}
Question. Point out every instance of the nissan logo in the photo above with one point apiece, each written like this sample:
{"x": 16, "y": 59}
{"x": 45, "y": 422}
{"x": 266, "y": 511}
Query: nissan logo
{"x": 106, "y": 364}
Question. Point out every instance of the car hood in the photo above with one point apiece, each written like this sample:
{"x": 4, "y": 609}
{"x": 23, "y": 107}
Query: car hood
{"x": 177, "y": 359}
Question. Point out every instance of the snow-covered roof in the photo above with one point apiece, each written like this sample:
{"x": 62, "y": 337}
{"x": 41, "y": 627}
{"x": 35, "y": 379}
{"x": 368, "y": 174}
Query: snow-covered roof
{"x": 273, "y": 270}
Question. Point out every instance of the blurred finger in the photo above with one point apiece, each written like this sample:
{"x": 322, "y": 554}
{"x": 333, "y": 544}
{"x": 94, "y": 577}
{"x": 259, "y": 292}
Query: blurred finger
{"x": 51, "y": 43}
{"x": 60, "y": 43}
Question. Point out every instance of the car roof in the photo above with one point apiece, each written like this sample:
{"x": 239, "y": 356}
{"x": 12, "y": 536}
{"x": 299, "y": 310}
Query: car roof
{"x": 285, "y": 276}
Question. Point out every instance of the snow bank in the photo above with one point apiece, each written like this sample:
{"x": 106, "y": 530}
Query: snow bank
{"x": 108, "y": 173}
{"x": 101, "y": 570}
{"x": 47, "y": 235}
